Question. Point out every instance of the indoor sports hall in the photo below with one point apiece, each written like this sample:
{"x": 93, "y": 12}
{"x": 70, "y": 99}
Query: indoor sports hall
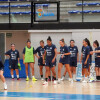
{"x": 35, "y": 38}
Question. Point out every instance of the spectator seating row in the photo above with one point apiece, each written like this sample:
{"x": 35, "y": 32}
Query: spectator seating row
{"x": 14, "y": 0}
{"x": 89, "y": 4}
{"x": 85, "y": 11}
{"x": 6, "y": 13}
{"x": 24, "y": 5}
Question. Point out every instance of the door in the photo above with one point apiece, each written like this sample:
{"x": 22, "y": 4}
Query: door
{"x": 2, "y": 46}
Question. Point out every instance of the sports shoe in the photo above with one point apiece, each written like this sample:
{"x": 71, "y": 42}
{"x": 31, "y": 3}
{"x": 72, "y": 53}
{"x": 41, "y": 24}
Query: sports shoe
{"x": 45, "y": 83}
{"x": 34, "y": 79}
{"x": 84, "y": 81}
{"x": 71, "y": 80}
{"x": 54, "y": 82}
{"x": 18, "y": 79}
{"x": 62, "y": 79}
{"x": 42, "y": 79}
{"x": 59, "y": 81}
{"x": 91, "y": 80}
{"x": 27, "y": 79}
{"x": 5, "y": 86}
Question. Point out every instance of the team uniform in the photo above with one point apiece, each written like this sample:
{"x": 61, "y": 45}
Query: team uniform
{"x": 50, "y": 53}
{"x": 40, "y": 52}
{"x": 85, "y": 51}
{"x": 66, "y": 58}
{"x": 29, "y": 52}
{"x": 29, "y": 58}
{"x": 73, "y": 56}
{"x": 13, "y": 60}
{"x": 1, "y": 65}
{"x": 97, "y": 59}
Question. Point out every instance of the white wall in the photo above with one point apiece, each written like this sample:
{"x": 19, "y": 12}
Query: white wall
{"x": 19, "y": 38}
{"x": 56, "y": 35}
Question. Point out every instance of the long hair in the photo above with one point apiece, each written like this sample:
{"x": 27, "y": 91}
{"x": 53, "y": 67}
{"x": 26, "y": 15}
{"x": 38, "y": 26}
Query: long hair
{"x": 96, "y": 42}
{"x": 49, "y": 38}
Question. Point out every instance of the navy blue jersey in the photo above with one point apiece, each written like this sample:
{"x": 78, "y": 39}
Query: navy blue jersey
{"x": 64, "y": 50}
{"x": 97, "y": 54}
{"x": 73, "y": 51}
{"x": 14, "y": 55}
{"x": 29, "y": 48}
{"x": 50, "y": 53}
{"x": 40, "y": 51}
{"x": 85, "y": 51}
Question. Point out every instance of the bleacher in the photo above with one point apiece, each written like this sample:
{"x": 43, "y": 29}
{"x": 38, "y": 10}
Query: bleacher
{"x": 67, "y": 9}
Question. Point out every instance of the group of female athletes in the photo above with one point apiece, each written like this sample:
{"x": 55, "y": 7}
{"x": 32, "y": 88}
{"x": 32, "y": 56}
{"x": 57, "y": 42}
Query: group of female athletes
{"x": 46, "y": 55}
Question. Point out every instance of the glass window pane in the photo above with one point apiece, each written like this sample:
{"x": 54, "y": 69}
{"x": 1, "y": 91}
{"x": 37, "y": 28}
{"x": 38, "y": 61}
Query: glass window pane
{"x": 92, "y": 11}
{"x": 21, "y": 12}
{"x": 70, "y": 11}
{"x": 4, "y": 12}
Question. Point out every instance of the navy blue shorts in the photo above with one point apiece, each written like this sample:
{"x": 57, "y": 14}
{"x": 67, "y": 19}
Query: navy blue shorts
{"x": 64, "y": 61}
{"x": 1, "y": 66}
{"x": 87, "y": 65}
{"x": 48, "y": 62}
{"x": 97, "y": 62}
{"x": 13, "y": 65}
{"x": 73, "y": 62}
{"x": 40, "y": 62}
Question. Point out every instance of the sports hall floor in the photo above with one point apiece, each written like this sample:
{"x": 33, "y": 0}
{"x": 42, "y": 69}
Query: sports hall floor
{"x": 22, "y": 90}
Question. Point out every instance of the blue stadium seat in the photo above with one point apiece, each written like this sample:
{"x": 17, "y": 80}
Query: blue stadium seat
{"x": 27, "y": 12}
{"x": 93, "y": 4}
{"x": 95, "y": 11}
{"x": 15, "y": 12}
{"x": 80, "y": 4}
{"x": 73, "y": 12}
{"x": 45, "y": 5}
{"x": 25, "y": 5}
{"x": 4, "y": 6}
{"x": 4, "y": 13}
{"x": 85, "y": 11}
{"x": 14, "y": 5}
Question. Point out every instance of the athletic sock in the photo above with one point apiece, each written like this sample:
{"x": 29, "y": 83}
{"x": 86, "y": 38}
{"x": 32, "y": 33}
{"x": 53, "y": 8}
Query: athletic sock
{"x": 46, "y": 79}
{"x": 4, "y": 83}
{"x": 12, "y": 76}
{"x": 27, "y": 77}
{"x": 54, "y": 78}
{"x": 17, "y": 76}
{"x": 33, "y": 77}
{"x": 98, "y": 77}
{"x": 59, "y": 79}
{"x": 41, "y": 76}
{"x": 49, "y": 77}
{"x": 85, "y": 78}
{"x": 74, "y": 76}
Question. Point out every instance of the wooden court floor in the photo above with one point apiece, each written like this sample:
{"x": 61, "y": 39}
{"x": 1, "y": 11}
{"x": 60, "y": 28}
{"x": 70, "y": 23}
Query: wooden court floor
{"x": 36, "y": 91}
